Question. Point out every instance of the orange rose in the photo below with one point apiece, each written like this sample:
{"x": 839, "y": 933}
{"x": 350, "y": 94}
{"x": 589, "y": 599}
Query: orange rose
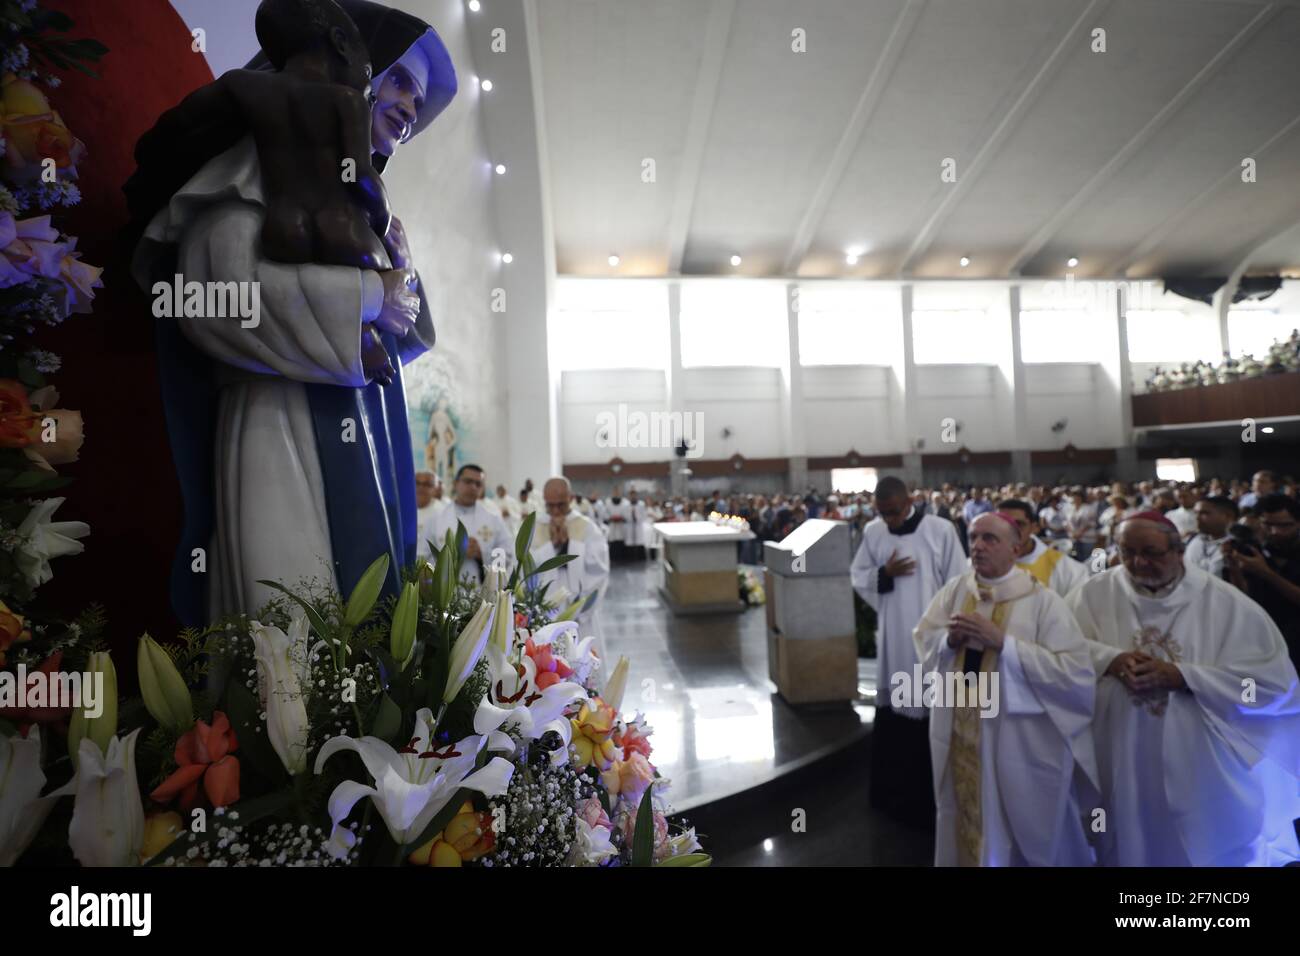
{"x": 467, "y": 836}
{"x": 33, "y": 131}
{"x": 19, "y": 424}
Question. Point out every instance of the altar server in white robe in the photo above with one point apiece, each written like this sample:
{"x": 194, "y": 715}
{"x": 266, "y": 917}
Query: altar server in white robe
{"x": 635, "y": 532}
{"x": 511, "y": 510}
{"x": 1011, "y": 764}
{"x": 1050, "y": 567}
{"x": 486, "y": 531}
{"x": 904, "y": 559}
{"x": 428, "y": 503}
{"x": 1198, "y": 711}
{"x": 563, "y": 530}
{"x": 618, "y": 516}
{"x": 1214, "y": 515}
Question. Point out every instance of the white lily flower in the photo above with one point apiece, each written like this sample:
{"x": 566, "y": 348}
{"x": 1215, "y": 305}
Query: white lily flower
{"x": 22, "y": 808}
{"x": 468, "y": 649}
{"x": 519, "y": 707}
{"x": 107, "y": 826}
{"x": 43, "y": 539}
{"x": 283, "y": 670}
{"x": 591, "y": 844}
{"x": 414, "y": 783}
{"x": 616, "y": 685}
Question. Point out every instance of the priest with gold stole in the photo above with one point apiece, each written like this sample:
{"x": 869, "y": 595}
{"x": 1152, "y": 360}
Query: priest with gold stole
{"x": 1051, "y": 568}
{"x": 1198, "y": 711}
{"x": 1010, "y": 689}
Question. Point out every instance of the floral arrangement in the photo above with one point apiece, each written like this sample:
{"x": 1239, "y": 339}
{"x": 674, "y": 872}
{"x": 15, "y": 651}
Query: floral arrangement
{"x": 751, "y": 586}
{"x": 42, "y": 282}
{"x": 455, "y": 724}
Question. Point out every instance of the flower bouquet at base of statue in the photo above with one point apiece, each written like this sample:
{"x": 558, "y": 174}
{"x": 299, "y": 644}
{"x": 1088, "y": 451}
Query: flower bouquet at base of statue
{"x": 440, "y": 726}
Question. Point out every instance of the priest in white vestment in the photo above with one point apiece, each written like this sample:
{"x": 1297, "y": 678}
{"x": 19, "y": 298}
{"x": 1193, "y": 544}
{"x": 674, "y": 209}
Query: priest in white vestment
{"x": 511, "y": 510}
{"x": 563, "y": 530}
{"x": 1198, "y": 711}
{"x": 1010, "y": 766}
{"x": 904, "y": 559}
{"x": 1050, "y": 567}
{"x": 486, "y": 531}
{"x": 428, "y": 502}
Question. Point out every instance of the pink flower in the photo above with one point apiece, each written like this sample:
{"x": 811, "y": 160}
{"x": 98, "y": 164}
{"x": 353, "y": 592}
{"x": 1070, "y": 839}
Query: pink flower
{"x": 634, "y": 775}
{"x": 594, "y": 814}
{"x": 633, "y": 741}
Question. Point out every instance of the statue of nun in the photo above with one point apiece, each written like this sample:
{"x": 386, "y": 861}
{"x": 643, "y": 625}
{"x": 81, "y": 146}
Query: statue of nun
{"x": 295, "y": 460}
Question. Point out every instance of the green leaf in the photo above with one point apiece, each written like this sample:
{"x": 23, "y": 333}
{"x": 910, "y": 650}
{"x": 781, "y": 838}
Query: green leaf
{"x": 524, "y": 539}
{"x": 313, "y": 616}
{"x": 243, "y": 709}
{"x": 250, "y": 811}
{"x": 387, "y": 721}
{"x": 405, "y": 617}
{"x": 688, "y": 859}
{"x": 439, "y": 822}
{"x": 558, "y": 561}
{"x": 363, "y": 597}
{"x": 643, "y": 838}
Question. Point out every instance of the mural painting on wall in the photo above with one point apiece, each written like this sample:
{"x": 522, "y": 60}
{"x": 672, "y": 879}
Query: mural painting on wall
{"x": 441, "y": 427}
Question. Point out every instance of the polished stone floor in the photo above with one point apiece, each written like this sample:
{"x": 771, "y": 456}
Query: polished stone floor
{"x": 765, "y": 783}
{"x": 719, "y": 725}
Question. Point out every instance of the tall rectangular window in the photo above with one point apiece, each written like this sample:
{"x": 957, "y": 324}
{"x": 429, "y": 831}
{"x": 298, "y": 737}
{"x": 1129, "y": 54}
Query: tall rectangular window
{"x": 1059, "y": 335}
{"x": 1253, "y": 331}
{"x": 610, "y": 324}
{"x": 954, "y": 337}
{"x": 1169, "y": 335}
{"x": 734, "y": 322}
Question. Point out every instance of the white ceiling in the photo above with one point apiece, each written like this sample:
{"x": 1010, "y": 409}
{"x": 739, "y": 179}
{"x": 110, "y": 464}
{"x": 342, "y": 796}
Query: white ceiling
{"x": 1129, "y": 159}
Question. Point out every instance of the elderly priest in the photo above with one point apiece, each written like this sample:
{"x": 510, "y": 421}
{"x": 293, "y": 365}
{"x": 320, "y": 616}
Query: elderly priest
{"x": 1198, "y": 711}
{"x": 1013, "y": 762}
{"x": 564, "y": 530}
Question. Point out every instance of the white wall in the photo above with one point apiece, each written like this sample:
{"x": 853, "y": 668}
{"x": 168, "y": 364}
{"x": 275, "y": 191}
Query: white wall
{"x": 440, "y": 186}
{"x": 849, "y": 407}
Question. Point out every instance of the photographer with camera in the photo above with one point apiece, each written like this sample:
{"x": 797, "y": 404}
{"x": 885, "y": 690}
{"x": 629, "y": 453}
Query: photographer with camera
{"x": 1271, "y": 574}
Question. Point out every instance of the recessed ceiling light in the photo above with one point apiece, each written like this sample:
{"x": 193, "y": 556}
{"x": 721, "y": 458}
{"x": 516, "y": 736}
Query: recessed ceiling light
{"x": 964, "y": 261}
{"x": 474, "y": 6}
{"x": 507, "y": 258}
{"x": 1072, "y": 261}
{"x": 851, "y": 259}
{"x": 1267, "y": 429}
{"x": 501, "y": 170}
{"x": 486, "y": 85}
{"x": 735, "y": 260}
{"x": 613, "y": 260}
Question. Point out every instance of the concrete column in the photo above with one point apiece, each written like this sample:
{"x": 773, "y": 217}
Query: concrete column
{"x": 792, "y": 405}
{"x": 675, "y": 384}
{"x": 906, "y": 416}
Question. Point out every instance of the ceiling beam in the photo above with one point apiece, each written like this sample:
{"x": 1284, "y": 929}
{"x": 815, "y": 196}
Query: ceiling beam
{"x": 1049, "y": 229}
{"x": 849, "y": 139}
{"x": 952, "y": 194}
{"x": 697, "y": 132}
{"x": 1121, "y": 264}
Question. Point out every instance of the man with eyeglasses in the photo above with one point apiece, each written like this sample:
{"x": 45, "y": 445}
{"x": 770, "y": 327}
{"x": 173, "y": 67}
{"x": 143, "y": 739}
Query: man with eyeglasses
{"x": 564, "y": 530}
{"x": 1273, "y": 577}
{"x": 1197, "y": 724}
{"x": 487, "y": 532}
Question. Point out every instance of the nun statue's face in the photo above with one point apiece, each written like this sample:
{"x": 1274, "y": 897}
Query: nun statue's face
{"x": 397, "y": 104}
